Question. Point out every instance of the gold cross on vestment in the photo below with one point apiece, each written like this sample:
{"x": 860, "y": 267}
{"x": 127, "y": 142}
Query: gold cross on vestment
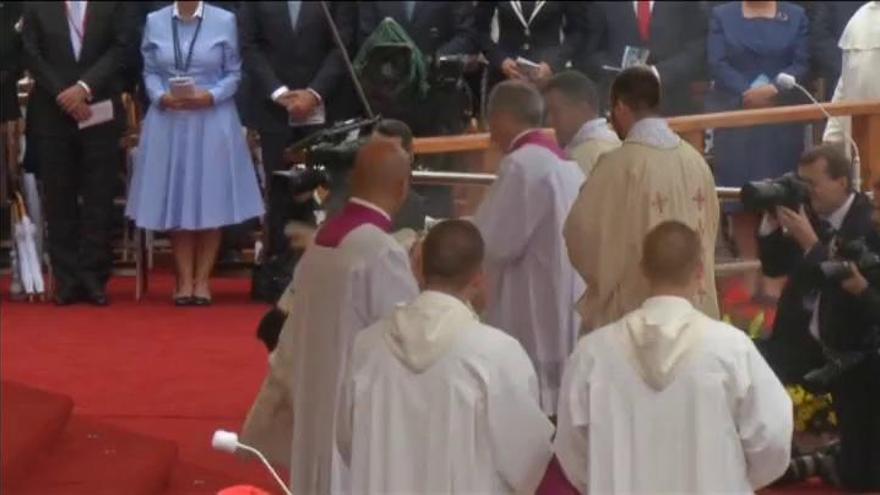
{"x": 660, "y": 202}
{"x": 699, "y": 199}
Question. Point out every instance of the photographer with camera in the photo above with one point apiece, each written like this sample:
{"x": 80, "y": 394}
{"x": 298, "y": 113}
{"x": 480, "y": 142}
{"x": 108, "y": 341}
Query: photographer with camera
{"x": 823, "y": 333}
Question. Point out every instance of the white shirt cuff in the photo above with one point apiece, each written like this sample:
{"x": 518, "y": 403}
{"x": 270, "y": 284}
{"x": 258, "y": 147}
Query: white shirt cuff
{"x": 768, "y": 226}
{"x": 317, "y": 95}
{"x": 86, "y": 87}
{"x": 278, "y": 92}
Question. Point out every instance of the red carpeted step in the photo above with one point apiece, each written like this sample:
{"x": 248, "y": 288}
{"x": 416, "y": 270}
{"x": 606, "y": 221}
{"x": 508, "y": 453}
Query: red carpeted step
{"x": 190, "y": 479}
{"x": 94, "y": 458}
{"x": 31, "y": 420}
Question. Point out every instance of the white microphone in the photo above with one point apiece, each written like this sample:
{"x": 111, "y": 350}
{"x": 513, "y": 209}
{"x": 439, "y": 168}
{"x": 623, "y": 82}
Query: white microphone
{"x": 788, "y": 81}
{"x": 227, "y": 441}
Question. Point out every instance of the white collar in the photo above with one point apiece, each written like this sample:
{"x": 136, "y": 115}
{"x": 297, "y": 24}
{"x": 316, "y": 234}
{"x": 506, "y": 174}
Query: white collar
{"x": 200, "y": 10}
{"x": 654, "y": 132}
{"x": 592, "y": 129}
{"x": 836, "y": 219}
{"x": 367, "y": 204}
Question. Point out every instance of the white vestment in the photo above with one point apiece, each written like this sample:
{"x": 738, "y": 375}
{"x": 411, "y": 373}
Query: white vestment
{"x": 860, "y": 68}
{"x": 435, "y": 402}
{"x": 337, "y": 292}
{"x": 533, "y": 288}
{"x": 667, "y": 400}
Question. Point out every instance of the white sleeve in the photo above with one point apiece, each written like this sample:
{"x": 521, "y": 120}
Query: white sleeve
{"x": 390, "y": 282}
{"x": 764, "y": 418}
{"x": 572, "y": 440}
{"x": 509, "y": 214}
{"x": 520, "y": 432}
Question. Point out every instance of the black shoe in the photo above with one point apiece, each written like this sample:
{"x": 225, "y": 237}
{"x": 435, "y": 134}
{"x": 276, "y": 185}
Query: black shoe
{"x": 97, "y": 297}
{"x": 67, "y": 297}
{"x": 181, "y": 301}
{"x": 201, "y": 301}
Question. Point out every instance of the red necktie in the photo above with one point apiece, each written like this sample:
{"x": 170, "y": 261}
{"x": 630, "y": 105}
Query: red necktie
{"x": 644, "y": 15}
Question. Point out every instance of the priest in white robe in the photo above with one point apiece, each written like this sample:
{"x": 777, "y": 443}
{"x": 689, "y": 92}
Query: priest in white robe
{"x": 354, "y": 274}
{"x": 532, "y": 285}
{"x": 654, "y": 176}
{"x": 436, "y": 402}
{"x": 572, "y": 103}
{"x": 668, "y": 400}
{"x": 860, "y": 68}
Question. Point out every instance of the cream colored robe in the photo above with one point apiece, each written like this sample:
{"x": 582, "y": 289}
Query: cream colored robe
{"x": 653, "y": 177}
{"x": 593, "y": 140}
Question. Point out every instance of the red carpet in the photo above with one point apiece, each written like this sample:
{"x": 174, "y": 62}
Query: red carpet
{"x": 168, "y": 373}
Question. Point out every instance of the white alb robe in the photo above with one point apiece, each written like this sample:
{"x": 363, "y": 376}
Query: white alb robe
{"x": 533, "y": 288}
{"x": 435, "y": 402}
{"x": 667, "y": 400}
{"x": 860, "y": 71}
{"x": 337, "y": 292}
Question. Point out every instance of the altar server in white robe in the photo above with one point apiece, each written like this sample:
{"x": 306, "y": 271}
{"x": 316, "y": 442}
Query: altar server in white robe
{"x": 354, "y": 274}
{"x": 860, "y": 68}
{"x": 652, "y": 177}
{"x": 532, "y": 285}
{"x": 435, "y": 401}
{"x": 668, "y": 400}
{"x": 572, "y": 103}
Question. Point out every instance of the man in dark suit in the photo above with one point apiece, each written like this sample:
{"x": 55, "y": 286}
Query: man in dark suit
{"x": 827, "y": 21}
{"x": 74, "y": 51}
{"x": 293, "y": 66}
{"x": 674, "y": 32}
{"x": 819, "y": 319}
{"x": 531, "y": 30}
{"x": 10, "y": 60}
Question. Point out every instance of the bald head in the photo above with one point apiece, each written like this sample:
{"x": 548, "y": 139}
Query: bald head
{"x": 672, "y": 255}
{"x": 518, "y": 100}
{"x": 452, "y": 254}
{"x": 381, "y": 174}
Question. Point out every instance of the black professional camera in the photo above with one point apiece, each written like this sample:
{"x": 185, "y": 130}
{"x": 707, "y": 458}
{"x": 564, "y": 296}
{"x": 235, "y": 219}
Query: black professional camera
{"x": 854, "y": 252}
{"x": 788, "y": 190}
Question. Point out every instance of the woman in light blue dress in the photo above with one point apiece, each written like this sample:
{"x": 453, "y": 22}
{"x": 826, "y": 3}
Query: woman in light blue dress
{"x": 193, "y": 172}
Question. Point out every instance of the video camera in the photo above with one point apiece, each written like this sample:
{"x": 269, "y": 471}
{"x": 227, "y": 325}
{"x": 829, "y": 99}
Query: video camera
{"x": 788, "y": 190}
{"x": 850, "y": 253}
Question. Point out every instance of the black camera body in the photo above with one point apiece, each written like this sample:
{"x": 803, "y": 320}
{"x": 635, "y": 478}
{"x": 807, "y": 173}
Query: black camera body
{"x": 788, "y": 190}
{"x": 855, "y": 252}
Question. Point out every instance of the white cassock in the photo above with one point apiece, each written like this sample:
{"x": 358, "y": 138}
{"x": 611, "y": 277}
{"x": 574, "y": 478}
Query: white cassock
{"x": 435, "y": 402}
{"x": 667, "y": 400}
{"x": 337, "y": 292}
{"x": 860, "y": 71}
{"x": 532, "y": 286}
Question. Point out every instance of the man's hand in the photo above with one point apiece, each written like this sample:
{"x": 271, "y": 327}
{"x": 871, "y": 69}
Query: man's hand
{"x": 303, "y": 104}
{"x": 760, "y": 97}
{"x": 544, "y": 72}
{"x": 81, "y": 113}
{"x": 798, "y": 226}
{"x": 510, "y": 69}
{"x": 856, "y": 284}
{"x": 71, "y": 98}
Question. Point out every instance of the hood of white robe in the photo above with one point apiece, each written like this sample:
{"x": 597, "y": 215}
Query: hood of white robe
{"x": 422, "y": 332}
{"x": 661, "y": 334}
{"x": 654, "y": 132}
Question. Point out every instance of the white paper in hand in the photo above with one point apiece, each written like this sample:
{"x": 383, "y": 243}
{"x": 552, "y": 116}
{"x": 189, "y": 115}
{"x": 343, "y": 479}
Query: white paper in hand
{"x": 101, "y": 112}
{"x": 182, "y": 87}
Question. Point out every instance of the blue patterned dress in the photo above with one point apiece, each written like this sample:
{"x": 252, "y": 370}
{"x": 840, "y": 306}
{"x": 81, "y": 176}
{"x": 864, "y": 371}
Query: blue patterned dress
{"x": 193, "y": 170}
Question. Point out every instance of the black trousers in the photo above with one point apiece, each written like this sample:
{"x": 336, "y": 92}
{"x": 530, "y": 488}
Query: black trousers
{"x": 856, "y": 399}
{"x": 80, "y": 177}
{"x": 281, "y": 206}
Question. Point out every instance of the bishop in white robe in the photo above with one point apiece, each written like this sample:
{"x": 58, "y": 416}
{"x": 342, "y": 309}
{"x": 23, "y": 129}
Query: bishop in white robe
{"x": 436, "y": 402}
{"x": 668, "y": 400}
{"x": 353, "y": 275}
{"x": 532, "y": 286}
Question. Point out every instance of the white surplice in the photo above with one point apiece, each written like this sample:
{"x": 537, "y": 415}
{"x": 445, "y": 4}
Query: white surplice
{"x": 336, "y": 292}
{"x": 532, "y": 286}
{"x": 667, "y": 400}
{"x": 435, "y": 402}
{"x": 860, "y": 72}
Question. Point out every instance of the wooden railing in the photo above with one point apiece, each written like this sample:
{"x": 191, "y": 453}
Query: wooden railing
{"x": 692, "y": 128}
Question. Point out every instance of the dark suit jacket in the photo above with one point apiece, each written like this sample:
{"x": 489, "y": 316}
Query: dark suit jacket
{"x": 677, "y": 45}
{"x": 453, "y": 23}
{"x": 10, "y": 60}
{"x": 543, "y": 45}
{"x": 827, "y": 22}
{"x": 844, "y": 319}
{"x": 277, "y": 55}
{"x": 50, "y": 60}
